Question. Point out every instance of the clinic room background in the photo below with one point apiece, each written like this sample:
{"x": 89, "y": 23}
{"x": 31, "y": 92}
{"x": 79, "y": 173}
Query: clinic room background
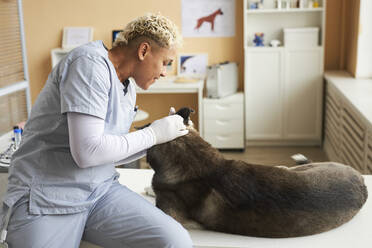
{"x": 44, "y": 21}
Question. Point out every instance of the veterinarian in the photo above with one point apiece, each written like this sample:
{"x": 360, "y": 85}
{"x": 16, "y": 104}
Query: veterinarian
{"x": 63, "y": 185}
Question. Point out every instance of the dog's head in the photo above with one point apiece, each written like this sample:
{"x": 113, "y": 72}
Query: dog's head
{"x": 184, "y": 112}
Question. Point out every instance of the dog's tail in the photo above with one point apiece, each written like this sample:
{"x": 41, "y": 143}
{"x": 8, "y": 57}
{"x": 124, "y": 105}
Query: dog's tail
{"x": 300, "y": 159}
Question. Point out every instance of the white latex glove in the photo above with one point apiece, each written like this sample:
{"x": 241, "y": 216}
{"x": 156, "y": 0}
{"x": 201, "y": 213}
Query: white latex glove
{"x": 172, "y": 111}
{"x": 168, "y": 128}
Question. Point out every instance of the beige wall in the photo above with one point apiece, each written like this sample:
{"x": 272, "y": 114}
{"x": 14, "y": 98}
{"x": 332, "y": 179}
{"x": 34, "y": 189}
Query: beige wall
{"x": 342, "y": 27}
{"x": 44, "y": 21}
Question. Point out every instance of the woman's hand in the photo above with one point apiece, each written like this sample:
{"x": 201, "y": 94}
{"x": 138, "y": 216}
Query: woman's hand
{"x": 168, "y": 128}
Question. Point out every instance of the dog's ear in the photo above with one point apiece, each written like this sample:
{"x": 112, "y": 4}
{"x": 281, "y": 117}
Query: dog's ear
{"x": 185, "y": 114}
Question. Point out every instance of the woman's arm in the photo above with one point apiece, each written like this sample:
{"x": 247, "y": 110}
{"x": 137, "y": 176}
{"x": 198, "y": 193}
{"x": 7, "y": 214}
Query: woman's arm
{"x": 90, "y": 146}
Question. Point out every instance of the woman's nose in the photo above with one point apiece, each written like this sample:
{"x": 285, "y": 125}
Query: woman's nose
{"x": 163, "y": 72}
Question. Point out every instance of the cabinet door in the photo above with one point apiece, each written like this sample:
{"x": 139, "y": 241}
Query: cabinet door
{"x": 303, "y": 94}
{"x": 263, "y": 93}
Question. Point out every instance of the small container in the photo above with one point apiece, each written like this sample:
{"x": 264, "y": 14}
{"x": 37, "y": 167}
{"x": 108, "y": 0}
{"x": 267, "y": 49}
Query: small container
{"x": 286, "y": 4}
{"x": 301, "y": 4}
{"x": 294, "y": 4}
{"x": 17, "y": 137}
{"x": 301, "y": 37}
{"x": 278, "y": 4}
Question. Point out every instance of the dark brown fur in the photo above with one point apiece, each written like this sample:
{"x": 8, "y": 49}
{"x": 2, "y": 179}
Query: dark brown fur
{"x": 193, "y": 181}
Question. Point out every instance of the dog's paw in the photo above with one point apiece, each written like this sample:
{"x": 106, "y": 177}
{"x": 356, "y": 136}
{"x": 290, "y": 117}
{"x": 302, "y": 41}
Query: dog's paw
{"x": 282, "y": 167}
{"x": 190, "y": 224}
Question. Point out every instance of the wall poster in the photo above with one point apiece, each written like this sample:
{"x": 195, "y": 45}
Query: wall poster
{"x": 208, "y": 18}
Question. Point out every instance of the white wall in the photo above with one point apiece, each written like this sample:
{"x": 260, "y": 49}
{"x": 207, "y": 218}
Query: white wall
{"x": 364, "y": 56}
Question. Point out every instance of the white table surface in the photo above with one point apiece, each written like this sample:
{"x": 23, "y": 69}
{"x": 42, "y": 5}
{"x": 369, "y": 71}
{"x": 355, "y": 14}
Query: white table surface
{"x": 354, "y": 234}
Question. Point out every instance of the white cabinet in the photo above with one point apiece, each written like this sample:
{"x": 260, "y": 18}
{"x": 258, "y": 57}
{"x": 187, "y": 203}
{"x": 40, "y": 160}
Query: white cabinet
{"x": 283, "y": 85}
{"x": 303, "y": 94}
{"x": 263, "y": 101}
{"x": 348, "y": 121}
{"x": 369, "y": 152}
{"x": 224, "y": 121}
{"x": 57, "y": 54}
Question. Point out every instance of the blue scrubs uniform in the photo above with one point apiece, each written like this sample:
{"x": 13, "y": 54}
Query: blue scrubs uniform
{"x": 56, "y": 203}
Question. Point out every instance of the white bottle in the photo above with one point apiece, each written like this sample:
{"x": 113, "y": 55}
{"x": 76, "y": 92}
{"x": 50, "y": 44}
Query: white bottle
{"x": 279, "y": 4}
{"x": 302, "y": 4}
{"x": 17, "y": 137}
{"x": 310, "y": 4}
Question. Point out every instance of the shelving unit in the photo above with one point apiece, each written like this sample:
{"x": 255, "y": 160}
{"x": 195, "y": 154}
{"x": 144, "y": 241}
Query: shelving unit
{"x": 272, "y": 21}
{"x": 283, "y": 85}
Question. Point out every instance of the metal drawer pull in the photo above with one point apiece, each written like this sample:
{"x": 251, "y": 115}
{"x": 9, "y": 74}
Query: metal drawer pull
{"x": 222, "y": 123}
{"x": 222, "y": 137}
{"x": 222, "y": 107}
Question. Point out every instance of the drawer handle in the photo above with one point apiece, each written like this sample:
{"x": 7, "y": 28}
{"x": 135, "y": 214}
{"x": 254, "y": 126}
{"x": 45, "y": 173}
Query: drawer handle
{"x": 222, "y": 137}
{"x": 222, "y": 107}
{"x": 222, "y": 123}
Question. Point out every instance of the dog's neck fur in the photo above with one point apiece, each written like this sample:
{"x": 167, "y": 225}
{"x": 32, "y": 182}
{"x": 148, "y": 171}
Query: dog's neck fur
{"x": 197, "y": 152}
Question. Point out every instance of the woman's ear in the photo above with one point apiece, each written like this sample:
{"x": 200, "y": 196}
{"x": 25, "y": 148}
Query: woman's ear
{"x": 143, "y": 49}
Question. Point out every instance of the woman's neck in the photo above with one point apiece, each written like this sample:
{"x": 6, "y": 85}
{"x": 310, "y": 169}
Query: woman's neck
{"x": 120, "y": 58}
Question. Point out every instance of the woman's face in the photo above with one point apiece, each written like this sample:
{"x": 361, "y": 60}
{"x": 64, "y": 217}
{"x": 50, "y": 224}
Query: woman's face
{"x": 152, "y": 64}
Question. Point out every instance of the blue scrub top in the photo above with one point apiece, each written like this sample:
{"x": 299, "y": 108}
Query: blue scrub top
{"x": 43, "y": 169}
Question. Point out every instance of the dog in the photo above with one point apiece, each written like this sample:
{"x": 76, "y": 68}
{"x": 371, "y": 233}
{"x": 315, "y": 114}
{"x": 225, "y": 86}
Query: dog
{"x": 199, "y": 188}
{"x": 210, "y": 18}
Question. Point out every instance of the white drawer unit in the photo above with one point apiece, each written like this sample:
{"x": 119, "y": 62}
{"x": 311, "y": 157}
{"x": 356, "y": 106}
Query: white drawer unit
{"x": 348, "y": 121}
{"x": 224, "y": 121}
{"x": 369, "y": 153}
{"x": 332, "y": 125}
{"x": 353, "y": 134}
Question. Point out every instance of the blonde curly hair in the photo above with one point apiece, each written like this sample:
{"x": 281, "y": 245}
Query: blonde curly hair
{"x": 154, "y": 26}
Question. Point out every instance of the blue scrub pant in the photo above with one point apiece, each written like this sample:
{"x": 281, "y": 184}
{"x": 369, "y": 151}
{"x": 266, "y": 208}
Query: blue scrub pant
{"x": 121, "y": 218}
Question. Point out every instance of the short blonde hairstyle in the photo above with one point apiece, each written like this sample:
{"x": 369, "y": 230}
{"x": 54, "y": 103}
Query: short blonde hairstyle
{"x": 154, "y": 26}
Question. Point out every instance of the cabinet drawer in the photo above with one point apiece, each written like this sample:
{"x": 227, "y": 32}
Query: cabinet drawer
{"x": 223, "y": 126}
{"x": 353, "y": 134}
{"x": 227, "y": 111}
{"x": 369, "y": 154}
{"x": 234, "y": 140}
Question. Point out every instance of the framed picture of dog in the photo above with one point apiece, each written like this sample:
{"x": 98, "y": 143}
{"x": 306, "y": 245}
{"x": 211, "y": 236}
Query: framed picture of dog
{"x": 192, "y": 65}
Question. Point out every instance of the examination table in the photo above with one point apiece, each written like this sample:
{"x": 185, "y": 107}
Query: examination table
{"x": 356, "y": 233}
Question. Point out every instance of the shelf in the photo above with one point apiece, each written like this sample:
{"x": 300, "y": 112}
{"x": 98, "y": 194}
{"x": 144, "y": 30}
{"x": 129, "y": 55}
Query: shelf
{"x": 263, "y": 48}
{"x": 281, "y": 47}
{"x": 294, "y": 10}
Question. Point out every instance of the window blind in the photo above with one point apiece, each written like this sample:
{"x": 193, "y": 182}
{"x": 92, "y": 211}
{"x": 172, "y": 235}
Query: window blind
{"x": 14, "y": 86}
{"x": 11, "y": 60}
